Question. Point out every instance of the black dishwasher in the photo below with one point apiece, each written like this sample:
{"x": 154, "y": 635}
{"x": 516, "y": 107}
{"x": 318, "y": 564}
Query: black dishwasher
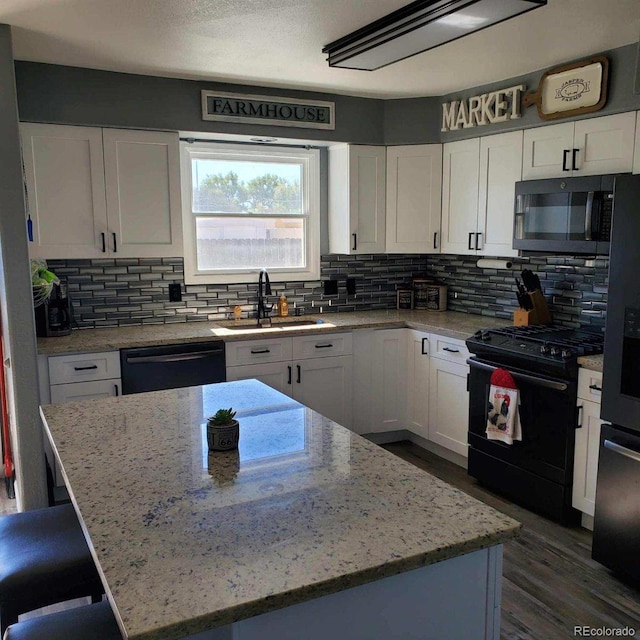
{"x": 172, "y": 366}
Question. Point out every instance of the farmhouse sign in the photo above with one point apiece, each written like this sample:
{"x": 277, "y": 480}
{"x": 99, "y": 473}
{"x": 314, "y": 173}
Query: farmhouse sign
{"x": 252, "y": 109}
{"x": 477, "y": 111}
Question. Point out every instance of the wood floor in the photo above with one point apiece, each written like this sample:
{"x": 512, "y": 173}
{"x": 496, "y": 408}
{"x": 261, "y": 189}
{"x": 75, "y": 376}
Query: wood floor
{"x": 550, "y": 583}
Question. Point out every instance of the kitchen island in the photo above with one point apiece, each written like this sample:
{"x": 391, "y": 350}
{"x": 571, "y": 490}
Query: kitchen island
{"x": 307, "y": 531}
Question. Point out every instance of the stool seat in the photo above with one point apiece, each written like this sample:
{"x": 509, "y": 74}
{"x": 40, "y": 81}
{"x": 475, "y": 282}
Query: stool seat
{"x": 89, "y": 622}
{"x": 44, "y": 559}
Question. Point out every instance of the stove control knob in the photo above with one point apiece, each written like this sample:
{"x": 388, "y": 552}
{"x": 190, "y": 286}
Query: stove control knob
{"x": 545, "y": 349}
{"x": 554, "y": 351}
{"x": 566, "y": 353}
{"x": 486, "y": 336}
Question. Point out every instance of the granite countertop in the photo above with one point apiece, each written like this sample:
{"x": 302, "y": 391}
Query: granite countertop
{"x": 187, "y": 540}
{"x": 595, "y": 363}
{"x": 451, "y": 324}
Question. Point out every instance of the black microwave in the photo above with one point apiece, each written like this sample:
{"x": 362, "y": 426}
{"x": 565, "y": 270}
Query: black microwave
{"x": 564, "y": 215}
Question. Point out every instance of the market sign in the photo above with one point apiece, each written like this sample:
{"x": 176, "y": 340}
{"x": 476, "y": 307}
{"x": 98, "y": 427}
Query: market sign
{"x": 477, "y": 111}
{"x": 252, "y": 109}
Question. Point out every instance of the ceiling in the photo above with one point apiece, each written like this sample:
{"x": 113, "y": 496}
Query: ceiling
{"x": 279, "y": 42}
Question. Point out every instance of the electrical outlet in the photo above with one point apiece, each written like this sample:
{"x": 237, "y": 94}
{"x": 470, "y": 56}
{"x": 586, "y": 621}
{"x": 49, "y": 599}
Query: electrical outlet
{"x": 175, "y": 292}
{"x": 330, "y": 287}
{"x": 351, "y": 286}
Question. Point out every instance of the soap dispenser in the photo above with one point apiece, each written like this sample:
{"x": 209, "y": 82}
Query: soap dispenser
{"x": 283, "y": 306}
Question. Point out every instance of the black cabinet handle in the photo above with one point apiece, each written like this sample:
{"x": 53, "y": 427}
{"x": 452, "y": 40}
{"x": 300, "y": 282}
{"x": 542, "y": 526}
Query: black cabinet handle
{"x": 104, "y": 242}
{"x": 565, "y": 157}
{"x": 478, "y": 236}
{"x": 115, "y": 244}
{"x": 298, "y": 367}
{"x": 260, "y": 351}
{"x": 116, "y": 390}
{"x": 435, "y": 239}
{"x": 579, "y": 417}
{"x": 355, "y": 241}
{"x": 424, "y": 353}
{"x": 289, "y": 372}
{"x": 93, "y": 366}
{"x": 574, "y": 159}
{"x": 324, "y": 346}
{"x": 595, "y": 387}
{"x": 471, "y": 234}
{"x": 451, "y": 350}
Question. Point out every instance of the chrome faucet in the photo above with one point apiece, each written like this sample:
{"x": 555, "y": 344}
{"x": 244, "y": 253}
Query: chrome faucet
{"x": 264, "y": 290}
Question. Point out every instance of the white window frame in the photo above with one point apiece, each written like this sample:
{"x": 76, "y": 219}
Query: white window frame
{"x": 310, "y": 159}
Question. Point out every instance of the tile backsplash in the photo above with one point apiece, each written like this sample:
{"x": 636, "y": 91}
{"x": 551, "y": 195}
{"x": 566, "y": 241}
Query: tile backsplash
{"x": 118, "y": 292}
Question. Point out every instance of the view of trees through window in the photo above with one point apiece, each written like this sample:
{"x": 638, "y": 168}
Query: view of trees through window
{"x": 248, "y": 214}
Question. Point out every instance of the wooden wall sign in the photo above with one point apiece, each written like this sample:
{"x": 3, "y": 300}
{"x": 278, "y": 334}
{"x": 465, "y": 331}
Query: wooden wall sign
{"x": 571, "y": 89}
{"x": 477, "y": 111}
{"x": 285, "y": 112}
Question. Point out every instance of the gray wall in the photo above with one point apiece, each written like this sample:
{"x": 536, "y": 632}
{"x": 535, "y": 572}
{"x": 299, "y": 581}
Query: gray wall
{"x": 71, "y": 95}
{"x": 15, "y": 298}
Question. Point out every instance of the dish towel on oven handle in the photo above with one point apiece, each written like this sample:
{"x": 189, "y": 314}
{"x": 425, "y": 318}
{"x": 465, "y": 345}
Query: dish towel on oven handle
{"x": 503, "y": 418}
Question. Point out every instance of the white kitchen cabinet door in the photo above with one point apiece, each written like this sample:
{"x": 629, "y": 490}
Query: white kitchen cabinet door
{"x": 448, "y": 405}
{"x": 460, "y": 179}
{"x": 356, "y": 199}
{"x": 278, "y": 375}
{"x": 388, "y": 380}
{"x": 585, "y": 464}
{"x": 418, "y": 383}
{"x": 325, "y": 385}
{"x": 414, "y": 197}
{"x": 142, "y": 171}
{"x": 605, "y": 144}
{"x": 500, "y": 169}
{"x": 78, "y": 391}
{"x": 545, "y": 149}
{"x": 636, "y": 148}
{"x": 64, "y": 173}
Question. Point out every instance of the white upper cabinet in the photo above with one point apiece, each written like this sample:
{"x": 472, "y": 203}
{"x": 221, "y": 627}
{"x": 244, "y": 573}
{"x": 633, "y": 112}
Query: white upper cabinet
{"x": 142, "y": 170}
{"x": 500, "y": 169}
{"x": 64, "y": 172}
{"x": 94, "y": 193}
{"x": 479, "y": 177}
{"x": 356, "y": 199}
{"x": 460, "y": 179}
{"x": 414, "y": 188}
{"x": 582, "y": 148}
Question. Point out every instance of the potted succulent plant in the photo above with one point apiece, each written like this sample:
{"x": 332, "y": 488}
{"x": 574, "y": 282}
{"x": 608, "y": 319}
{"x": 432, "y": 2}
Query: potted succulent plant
{"x": 223, "y": 430}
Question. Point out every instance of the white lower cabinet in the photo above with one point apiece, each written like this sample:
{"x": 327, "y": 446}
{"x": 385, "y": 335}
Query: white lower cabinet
{"x": 78, "y": 391}
{"x": 585, "y": 464}
{"x": 322, "y": 381}
{"x": 448, "y": 404}
{"x": 418, "y": 383}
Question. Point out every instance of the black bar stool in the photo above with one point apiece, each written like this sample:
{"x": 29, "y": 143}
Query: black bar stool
{"x": 44, "y": 559}
{"x": 88, "y": 622}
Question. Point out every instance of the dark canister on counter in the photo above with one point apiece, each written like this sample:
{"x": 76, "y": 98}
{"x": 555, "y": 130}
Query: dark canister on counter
{"x": 429, "y": 294}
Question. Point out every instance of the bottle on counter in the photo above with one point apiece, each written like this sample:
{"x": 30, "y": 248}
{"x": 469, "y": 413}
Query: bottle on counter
{"x": 283, "y": 306}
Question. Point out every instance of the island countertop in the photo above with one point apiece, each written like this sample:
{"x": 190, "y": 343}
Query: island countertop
{"x": 188, "y": 540}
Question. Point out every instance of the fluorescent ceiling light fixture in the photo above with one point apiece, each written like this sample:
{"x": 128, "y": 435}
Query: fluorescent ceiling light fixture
{"x": 418, "y": 27}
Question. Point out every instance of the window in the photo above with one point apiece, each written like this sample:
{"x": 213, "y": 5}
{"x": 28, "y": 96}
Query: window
{"x": 248, "y": 207}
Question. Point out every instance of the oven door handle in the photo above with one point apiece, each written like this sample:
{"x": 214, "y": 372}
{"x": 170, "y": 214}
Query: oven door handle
{"x": 623, "y": 451}
{"x": 540, "y": 382}
{"x": 174, "y": 357}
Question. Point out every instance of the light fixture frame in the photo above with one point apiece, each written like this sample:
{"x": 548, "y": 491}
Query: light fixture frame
{"x": 405, "y": 20}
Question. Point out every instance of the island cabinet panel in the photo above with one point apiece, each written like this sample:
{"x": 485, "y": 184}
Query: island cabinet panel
{"x": 586, "y": 147}
{"x": 418, "y": 383}
{"x": 95, "y": 193}
{"x": 356, "y": 199}
{"x": 587, "y": 448}
{"x": 414, "y": 198}
{"x": 456, "y": 598}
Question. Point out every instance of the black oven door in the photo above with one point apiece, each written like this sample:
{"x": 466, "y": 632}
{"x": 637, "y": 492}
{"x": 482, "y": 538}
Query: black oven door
{"x": 537, "y": 471}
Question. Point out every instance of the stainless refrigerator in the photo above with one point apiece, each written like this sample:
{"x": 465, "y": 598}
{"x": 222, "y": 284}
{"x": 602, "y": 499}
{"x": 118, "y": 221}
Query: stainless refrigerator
{"x": 616, "y": 535}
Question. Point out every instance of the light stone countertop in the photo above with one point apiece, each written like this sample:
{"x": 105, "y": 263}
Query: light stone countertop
{"x": 188, "y": 541}
{"x": 594, "y": 363}
{"x": 451, "y": 324}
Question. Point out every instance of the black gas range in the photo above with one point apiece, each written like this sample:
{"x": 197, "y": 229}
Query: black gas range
{"x": 543, "y": 347}
{"x": 536, "y": 472}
